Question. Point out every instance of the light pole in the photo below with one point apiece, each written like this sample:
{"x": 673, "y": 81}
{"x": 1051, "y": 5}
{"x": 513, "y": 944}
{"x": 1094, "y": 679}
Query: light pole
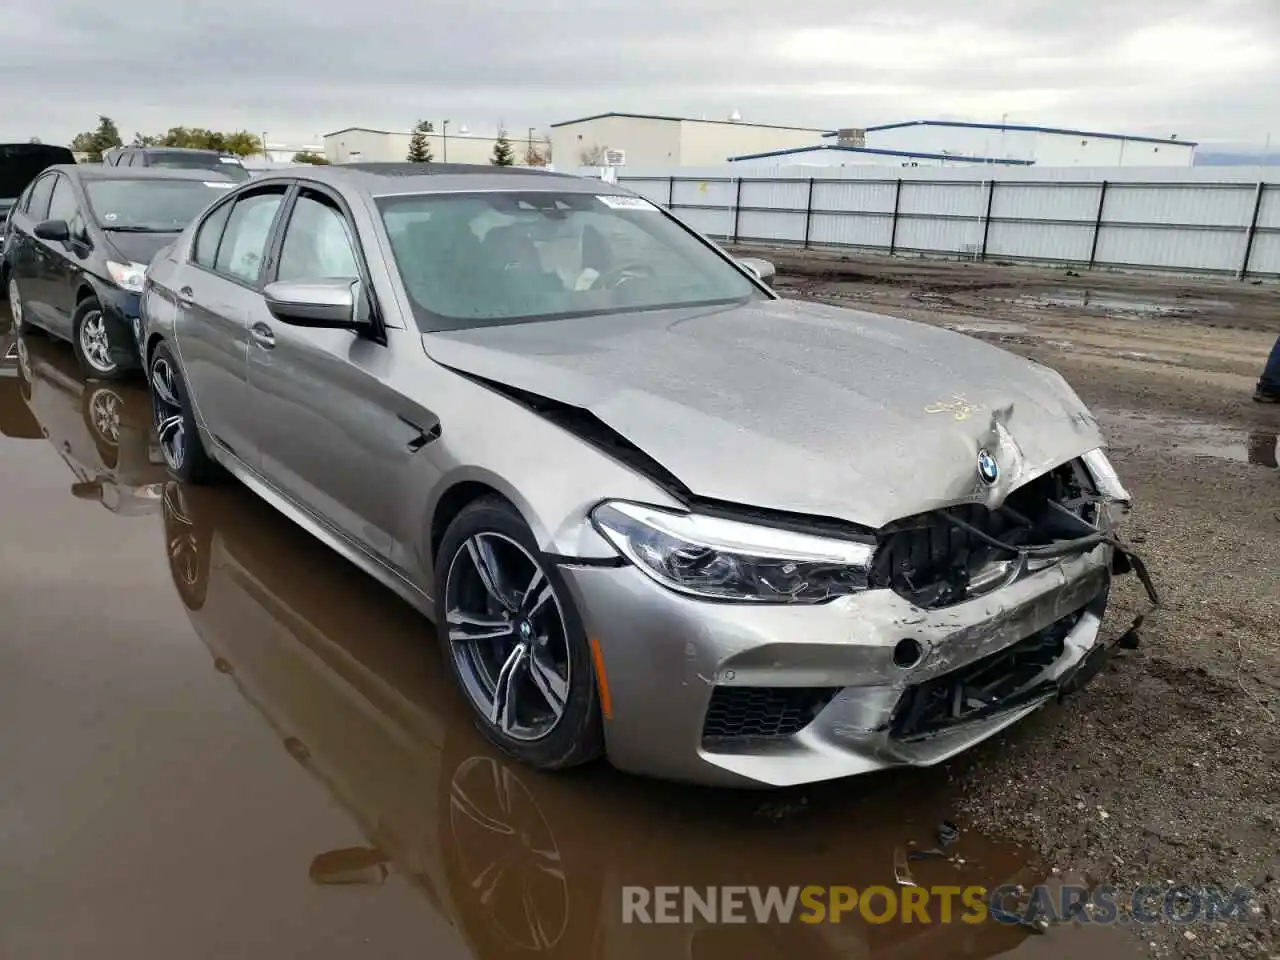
{"x": 444, "y": 141}
{"x": 528, "y": 154}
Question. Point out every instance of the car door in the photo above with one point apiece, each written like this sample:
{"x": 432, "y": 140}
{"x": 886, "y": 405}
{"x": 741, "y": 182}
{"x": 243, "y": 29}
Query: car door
{"x": 64, "y": 261}
{"x": 219, "y": 298}
{"x": 333, "y": 435}
{"x": 27, "y": 259}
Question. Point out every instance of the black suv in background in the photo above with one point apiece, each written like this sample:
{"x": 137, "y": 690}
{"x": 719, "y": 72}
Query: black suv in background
{"x": 176, "y": 158}
{"x": 79, "y": 241}
{"x": 20, "y": 163}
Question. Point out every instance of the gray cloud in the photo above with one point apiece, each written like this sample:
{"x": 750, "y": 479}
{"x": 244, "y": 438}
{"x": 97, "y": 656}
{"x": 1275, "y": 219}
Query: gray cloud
{"x": 1203, "y": 69}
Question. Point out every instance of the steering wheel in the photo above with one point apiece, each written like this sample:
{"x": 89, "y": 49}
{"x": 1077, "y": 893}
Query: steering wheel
{"x": 619, "y": 274}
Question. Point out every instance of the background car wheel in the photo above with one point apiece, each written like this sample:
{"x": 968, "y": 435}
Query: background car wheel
{"x": 98, "y": 341}
{"x": 20, "y": 323}
{"x": 513, "y": 639}
{"x": 102, "y": 411}
{"x": 175, "y": 424}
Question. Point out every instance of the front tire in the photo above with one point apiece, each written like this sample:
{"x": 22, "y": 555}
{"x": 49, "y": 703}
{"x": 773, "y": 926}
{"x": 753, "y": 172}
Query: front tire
{"x": 97, "y": 341}
{"x": 514, "y": 641}
{"x": 175, "y": 422}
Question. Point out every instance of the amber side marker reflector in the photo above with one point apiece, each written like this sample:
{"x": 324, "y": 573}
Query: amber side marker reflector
{"x": 606, "y": 701}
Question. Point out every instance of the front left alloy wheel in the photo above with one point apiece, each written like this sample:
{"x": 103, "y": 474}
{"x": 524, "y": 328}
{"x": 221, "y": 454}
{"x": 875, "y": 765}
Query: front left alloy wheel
{"x": 97, "y": 341}
{"x": 174, "y": 421}
{"x": 514, "y": 641}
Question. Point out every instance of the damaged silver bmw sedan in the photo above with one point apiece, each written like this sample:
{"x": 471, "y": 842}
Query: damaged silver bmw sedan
{"x": 656, "y": 511}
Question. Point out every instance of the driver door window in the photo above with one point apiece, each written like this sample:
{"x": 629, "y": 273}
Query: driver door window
{"x": 38, "y": 205}
{"x": 317, "y": 242}
{"x": 62, "y": 204}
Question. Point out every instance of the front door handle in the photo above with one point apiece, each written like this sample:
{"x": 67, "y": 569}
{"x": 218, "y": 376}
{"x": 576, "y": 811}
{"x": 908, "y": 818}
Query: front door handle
{"x": 186, "y": 296}
{"x": 263, "y": 336}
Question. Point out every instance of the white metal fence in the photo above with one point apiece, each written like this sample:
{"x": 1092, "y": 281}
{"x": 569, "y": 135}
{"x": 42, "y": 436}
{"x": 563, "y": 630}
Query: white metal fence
{"x": 1198, "y": 226}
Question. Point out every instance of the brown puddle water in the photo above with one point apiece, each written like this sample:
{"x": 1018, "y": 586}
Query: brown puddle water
{"x": 1113, "y": 301}
{"x": 221, "y": 740}
{"x": 1191, "y": 438}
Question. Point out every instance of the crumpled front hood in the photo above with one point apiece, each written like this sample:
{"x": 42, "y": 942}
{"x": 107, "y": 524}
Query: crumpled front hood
{"x": 797, "y": 406}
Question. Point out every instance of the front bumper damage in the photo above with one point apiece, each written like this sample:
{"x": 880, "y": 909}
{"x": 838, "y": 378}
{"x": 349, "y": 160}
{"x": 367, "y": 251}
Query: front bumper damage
{"x": 741, "y": 695}
{"x": 121, "y": 308}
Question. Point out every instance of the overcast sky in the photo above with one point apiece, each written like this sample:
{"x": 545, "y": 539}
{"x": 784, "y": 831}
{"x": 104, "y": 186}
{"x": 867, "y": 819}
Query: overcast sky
{"x": 1202, "y": 69}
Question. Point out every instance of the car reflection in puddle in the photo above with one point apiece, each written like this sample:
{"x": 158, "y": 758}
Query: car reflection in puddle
{"x": 521, "y": 862}
{"x": 102, "y": 431}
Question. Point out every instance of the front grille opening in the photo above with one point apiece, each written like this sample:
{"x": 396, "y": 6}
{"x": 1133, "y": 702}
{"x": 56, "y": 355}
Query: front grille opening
{"x": 772, "y": 712}
{"x": 933, "y": 563}
{"x": 997, "y": 682}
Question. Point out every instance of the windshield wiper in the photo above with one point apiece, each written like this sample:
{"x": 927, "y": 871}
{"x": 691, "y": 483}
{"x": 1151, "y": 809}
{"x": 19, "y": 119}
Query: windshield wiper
{"x": 133, "y": 229}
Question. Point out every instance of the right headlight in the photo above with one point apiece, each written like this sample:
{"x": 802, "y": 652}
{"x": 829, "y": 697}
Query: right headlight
{"x": 1117, "y": 500}
{"x": 723, "y": 559}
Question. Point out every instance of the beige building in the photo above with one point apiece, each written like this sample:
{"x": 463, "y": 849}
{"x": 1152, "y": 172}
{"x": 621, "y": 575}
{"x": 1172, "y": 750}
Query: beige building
{"x": 640, "y": 140}
{"x": 386, "y": 146}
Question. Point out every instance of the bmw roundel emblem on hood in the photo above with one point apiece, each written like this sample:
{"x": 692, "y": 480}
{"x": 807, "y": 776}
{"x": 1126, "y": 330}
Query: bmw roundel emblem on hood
{"x": 988, "y": 469}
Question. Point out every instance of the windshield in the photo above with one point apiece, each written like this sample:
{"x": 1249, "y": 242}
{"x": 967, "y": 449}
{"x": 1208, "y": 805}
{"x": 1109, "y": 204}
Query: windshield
{"x": 232, "y": 167}
{"x": 472, "y": 259}
{"x": 151, "y": 205}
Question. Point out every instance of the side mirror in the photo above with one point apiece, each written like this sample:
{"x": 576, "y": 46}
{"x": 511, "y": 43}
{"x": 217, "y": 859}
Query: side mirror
{"x": 332, "y": 304}
{"x": 53, "y": 230}
{"x": 763, "y": 269}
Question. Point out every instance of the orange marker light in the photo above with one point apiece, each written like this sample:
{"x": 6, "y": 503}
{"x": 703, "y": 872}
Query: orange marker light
{"x": 602, "y": 679}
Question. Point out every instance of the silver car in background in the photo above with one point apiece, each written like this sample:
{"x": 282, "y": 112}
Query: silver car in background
{"x": 654, "y": 510}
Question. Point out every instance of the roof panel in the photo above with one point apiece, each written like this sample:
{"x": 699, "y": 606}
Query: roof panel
{"x": 654, "y": 116}
{"x": 1024, "y": 128}
{"x": 886, "y": 153}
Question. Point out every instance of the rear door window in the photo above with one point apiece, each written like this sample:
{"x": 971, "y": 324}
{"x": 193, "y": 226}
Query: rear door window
{"x": 244, "y": 242}
{"x": 206, "y": 250}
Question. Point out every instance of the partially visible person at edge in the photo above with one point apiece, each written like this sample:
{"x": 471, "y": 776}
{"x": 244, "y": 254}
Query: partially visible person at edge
{"x": 1268, "y": 390}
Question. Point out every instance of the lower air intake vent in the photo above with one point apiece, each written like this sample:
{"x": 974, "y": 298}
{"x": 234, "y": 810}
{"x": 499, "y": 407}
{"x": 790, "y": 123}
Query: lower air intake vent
{"x": 737, "y": 712}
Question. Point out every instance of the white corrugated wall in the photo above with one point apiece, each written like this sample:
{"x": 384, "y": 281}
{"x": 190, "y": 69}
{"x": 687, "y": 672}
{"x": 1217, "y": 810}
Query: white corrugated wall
{"x": 1189, "y": 219}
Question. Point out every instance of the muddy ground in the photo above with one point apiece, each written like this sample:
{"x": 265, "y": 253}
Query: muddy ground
{"x": 1166, "y": 769}
{"x": 221, "y": 740}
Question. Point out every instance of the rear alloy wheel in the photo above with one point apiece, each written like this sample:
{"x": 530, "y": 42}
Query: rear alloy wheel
{"x": 95, "y": 339}
{"x": 514, "y": 641}
{"x": 174, "y": 423}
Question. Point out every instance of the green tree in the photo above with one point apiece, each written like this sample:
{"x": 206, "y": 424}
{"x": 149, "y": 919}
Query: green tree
{"x": 96, "y": 142}
{"x": 241, "y": 143}
{"x": 503, "y": 154}
{"x": 419, "y": 145}
{"x": 307, "y": 156}
{"x": 143, "y": 140}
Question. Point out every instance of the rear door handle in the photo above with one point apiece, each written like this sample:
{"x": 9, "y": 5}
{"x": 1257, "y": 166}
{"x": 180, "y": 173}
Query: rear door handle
{"x": 186, "y": 296}
{"x": 262, "y": 336}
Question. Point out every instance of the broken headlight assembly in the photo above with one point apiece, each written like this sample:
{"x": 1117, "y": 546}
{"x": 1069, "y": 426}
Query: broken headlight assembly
{"x": 722, "y": 559}
{"x": 1116, "y": 500}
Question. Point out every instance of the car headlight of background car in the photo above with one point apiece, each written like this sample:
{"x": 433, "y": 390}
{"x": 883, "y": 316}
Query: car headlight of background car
{"x": 725, "y": 559}
{"x": 127, "y": 276}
